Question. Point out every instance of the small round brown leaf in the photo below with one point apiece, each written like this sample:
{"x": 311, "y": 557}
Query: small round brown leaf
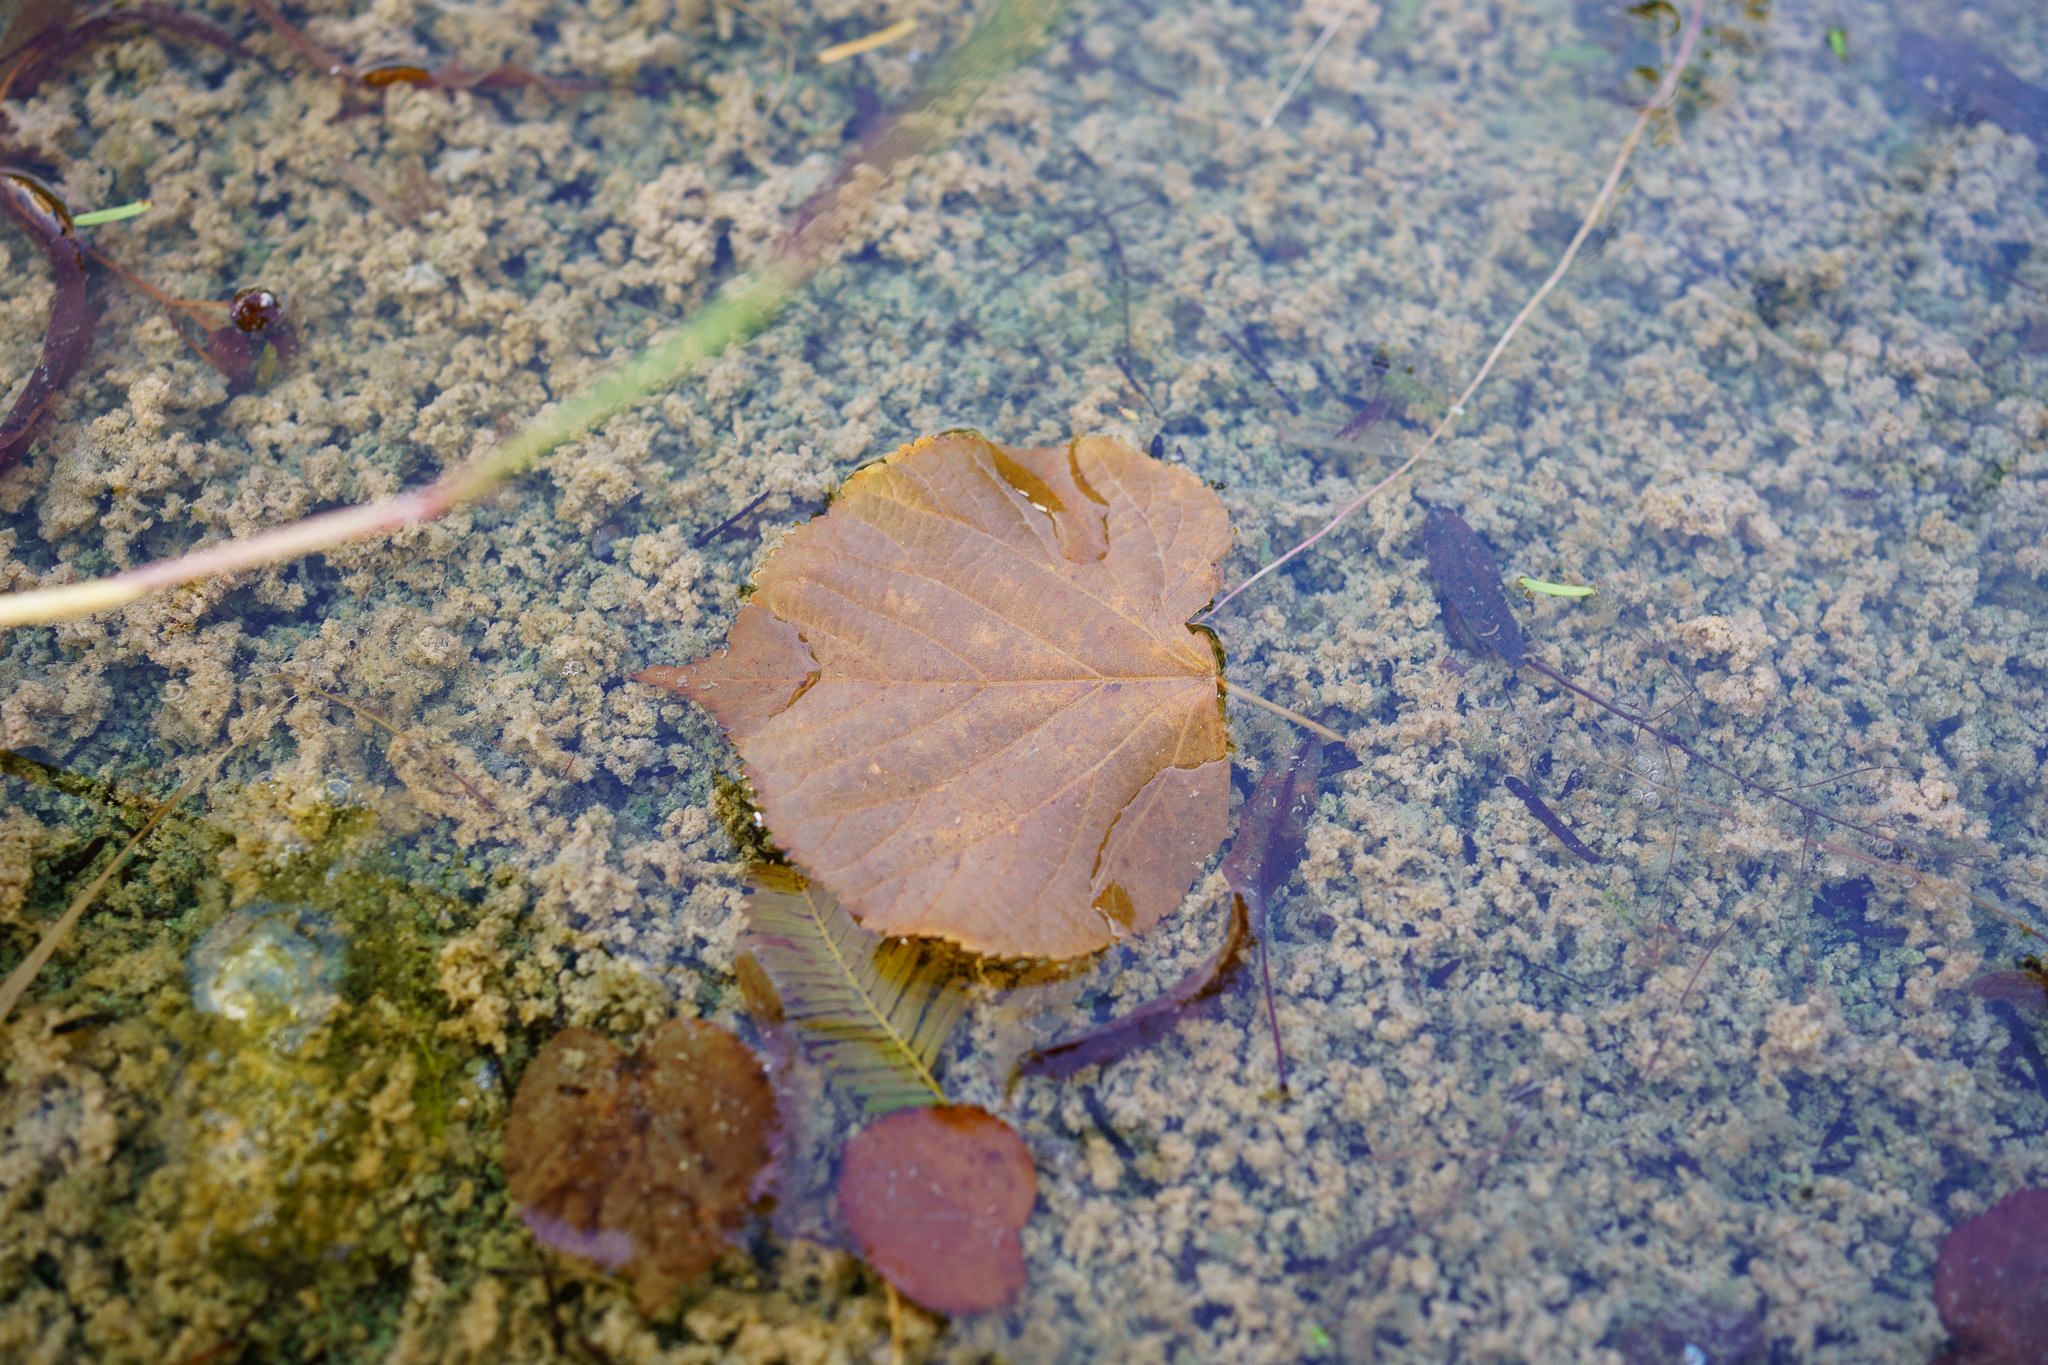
{"x": 935, "y": 1198}
{"x": 642, "y": 1163}
{"x": 969, "y": 700}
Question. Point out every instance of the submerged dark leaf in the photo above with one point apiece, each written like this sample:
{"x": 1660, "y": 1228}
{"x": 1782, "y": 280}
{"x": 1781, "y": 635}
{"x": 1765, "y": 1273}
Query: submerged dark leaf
{"x": 1272, "y": 829}
{"x": 2024, "y": 990}
{"x": 257, "y": 339}
{"x": 38, "y": 211}
{"x": 58, "y": 33}
{"x": 1695, "y": 1330}
{"x": 1991, "y": 1283}
{"x": 935, "y": 1198}
{"x": 1272, "y": 835}
{"x": 1467, "y": 580}
{"x": 1970, "y": 84}
{"x": 1149, "y": 1022}
{"x": 27, "y": 20}
{"x": 643, "y": 1163}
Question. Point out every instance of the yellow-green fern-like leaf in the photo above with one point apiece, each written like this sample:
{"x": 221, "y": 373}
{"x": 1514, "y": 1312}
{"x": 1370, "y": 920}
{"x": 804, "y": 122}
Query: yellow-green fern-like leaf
{"x": 873, "y": 1011}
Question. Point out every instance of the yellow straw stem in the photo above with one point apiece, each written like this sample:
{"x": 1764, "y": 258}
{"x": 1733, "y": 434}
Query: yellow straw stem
{"x": 881, "y": 37}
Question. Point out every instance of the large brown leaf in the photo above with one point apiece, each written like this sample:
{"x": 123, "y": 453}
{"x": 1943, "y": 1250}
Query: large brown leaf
{"x": 969, "y": 700}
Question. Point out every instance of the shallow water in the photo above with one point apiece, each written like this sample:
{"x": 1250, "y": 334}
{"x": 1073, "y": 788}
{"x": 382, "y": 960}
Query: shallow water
{"x": 1728, "y": 1088}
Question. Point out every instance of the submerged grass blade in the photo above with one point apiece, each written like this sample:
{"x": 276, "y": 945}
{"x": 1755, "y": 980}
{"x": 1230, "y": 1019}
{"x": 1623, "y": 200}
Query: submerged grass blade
{"x": 872, "y": 1011}
{"x": 24, "y": 975}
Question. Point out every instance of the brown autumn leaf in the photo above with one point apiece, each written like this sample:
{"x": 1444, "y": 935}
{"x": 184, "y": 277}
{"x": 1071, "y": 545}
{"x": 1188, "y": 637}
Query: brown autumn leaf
{"x": 935, "y": 1197}
{"x": 644, "y": 1163}
{"x": 969, "y": 700}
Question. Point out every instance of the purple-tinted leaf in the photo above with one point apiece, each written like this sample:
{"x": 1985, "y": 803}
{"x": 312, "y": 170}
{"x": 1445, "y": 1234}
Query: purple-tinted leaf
{"x": 1991, "y": 1283}
{"x": 1149, "y": 1022}
{"x": 1272, "y": 833}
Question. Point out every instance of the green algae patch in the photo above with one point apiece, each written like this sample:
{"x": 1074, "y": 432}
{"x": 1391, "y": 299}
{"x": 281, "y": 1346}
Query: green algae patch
{"x": 260, "y": 1097}
{"x": 221, "y": 1103}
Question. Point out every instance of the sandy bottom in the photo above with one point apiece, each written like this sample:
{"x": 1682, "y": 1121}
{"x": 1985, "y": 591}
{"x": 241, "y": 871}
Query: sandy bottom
{"x": 1727, "y": 1087}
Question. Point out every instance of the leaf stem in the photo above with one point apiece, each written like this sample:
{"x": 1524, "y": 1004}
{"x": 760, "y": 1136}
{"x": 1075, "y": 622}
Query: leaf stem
{"x": 1664, "y": 94}
{"x": 1313, "y": 727}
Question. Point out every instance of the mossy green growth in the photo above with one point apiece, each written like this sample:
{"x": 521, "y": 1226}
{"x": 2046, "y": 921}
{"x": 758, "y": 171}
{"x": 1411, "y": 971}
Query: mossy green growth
{"x": 318, "y": 1091}
{"x": 732, "y": 802}
{"x": 254, "y": 1022}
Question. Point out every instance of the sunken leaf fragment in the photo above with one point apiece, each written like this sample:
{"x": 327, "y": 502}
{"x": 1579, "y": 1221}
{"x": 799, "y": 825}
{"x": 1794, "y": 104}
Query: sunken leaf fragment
{"x": 969, "y": 700}
{"x": 873, "y": 1011}
{"x": 1991, "y": 1283}
{"x": 1272, "y": 831}
{"x": 1153, "y": 1020}
{"x": 1272, "y": 835}
{"x": 645, "y": 1162}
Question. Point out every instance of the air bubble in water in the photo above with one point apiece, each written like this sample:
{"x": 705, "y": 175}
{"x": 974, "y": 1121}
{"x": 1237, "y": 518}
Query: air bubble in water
{"x": 272, "y": 967}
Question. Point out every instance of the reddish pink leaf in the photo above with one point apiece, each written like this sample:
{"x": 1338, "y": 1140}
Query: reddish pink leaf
{"x": 935, "y": 1198}
{"x": 1991, "y": 1283}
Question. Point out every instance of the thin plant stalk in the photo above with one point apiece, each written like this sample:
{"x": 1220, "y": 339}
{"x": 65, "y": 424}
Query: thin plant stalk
{"x": 1315, "y": 728}
{"x": 739, "y": 314}
{"x": 1665, "y": 92}
{"x": 1005, "y": 37}
{"x": 24, "y": 974}
{"x": 1307, "y": 62}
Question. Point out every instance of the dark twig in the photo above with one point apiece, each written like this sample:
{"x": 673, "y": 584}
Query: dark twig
{"x": 706, "y": 537}
{"x": 1550, "y": 818}
{"x": 1123, "y": 363}
{"x": 1252, "y": 362}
